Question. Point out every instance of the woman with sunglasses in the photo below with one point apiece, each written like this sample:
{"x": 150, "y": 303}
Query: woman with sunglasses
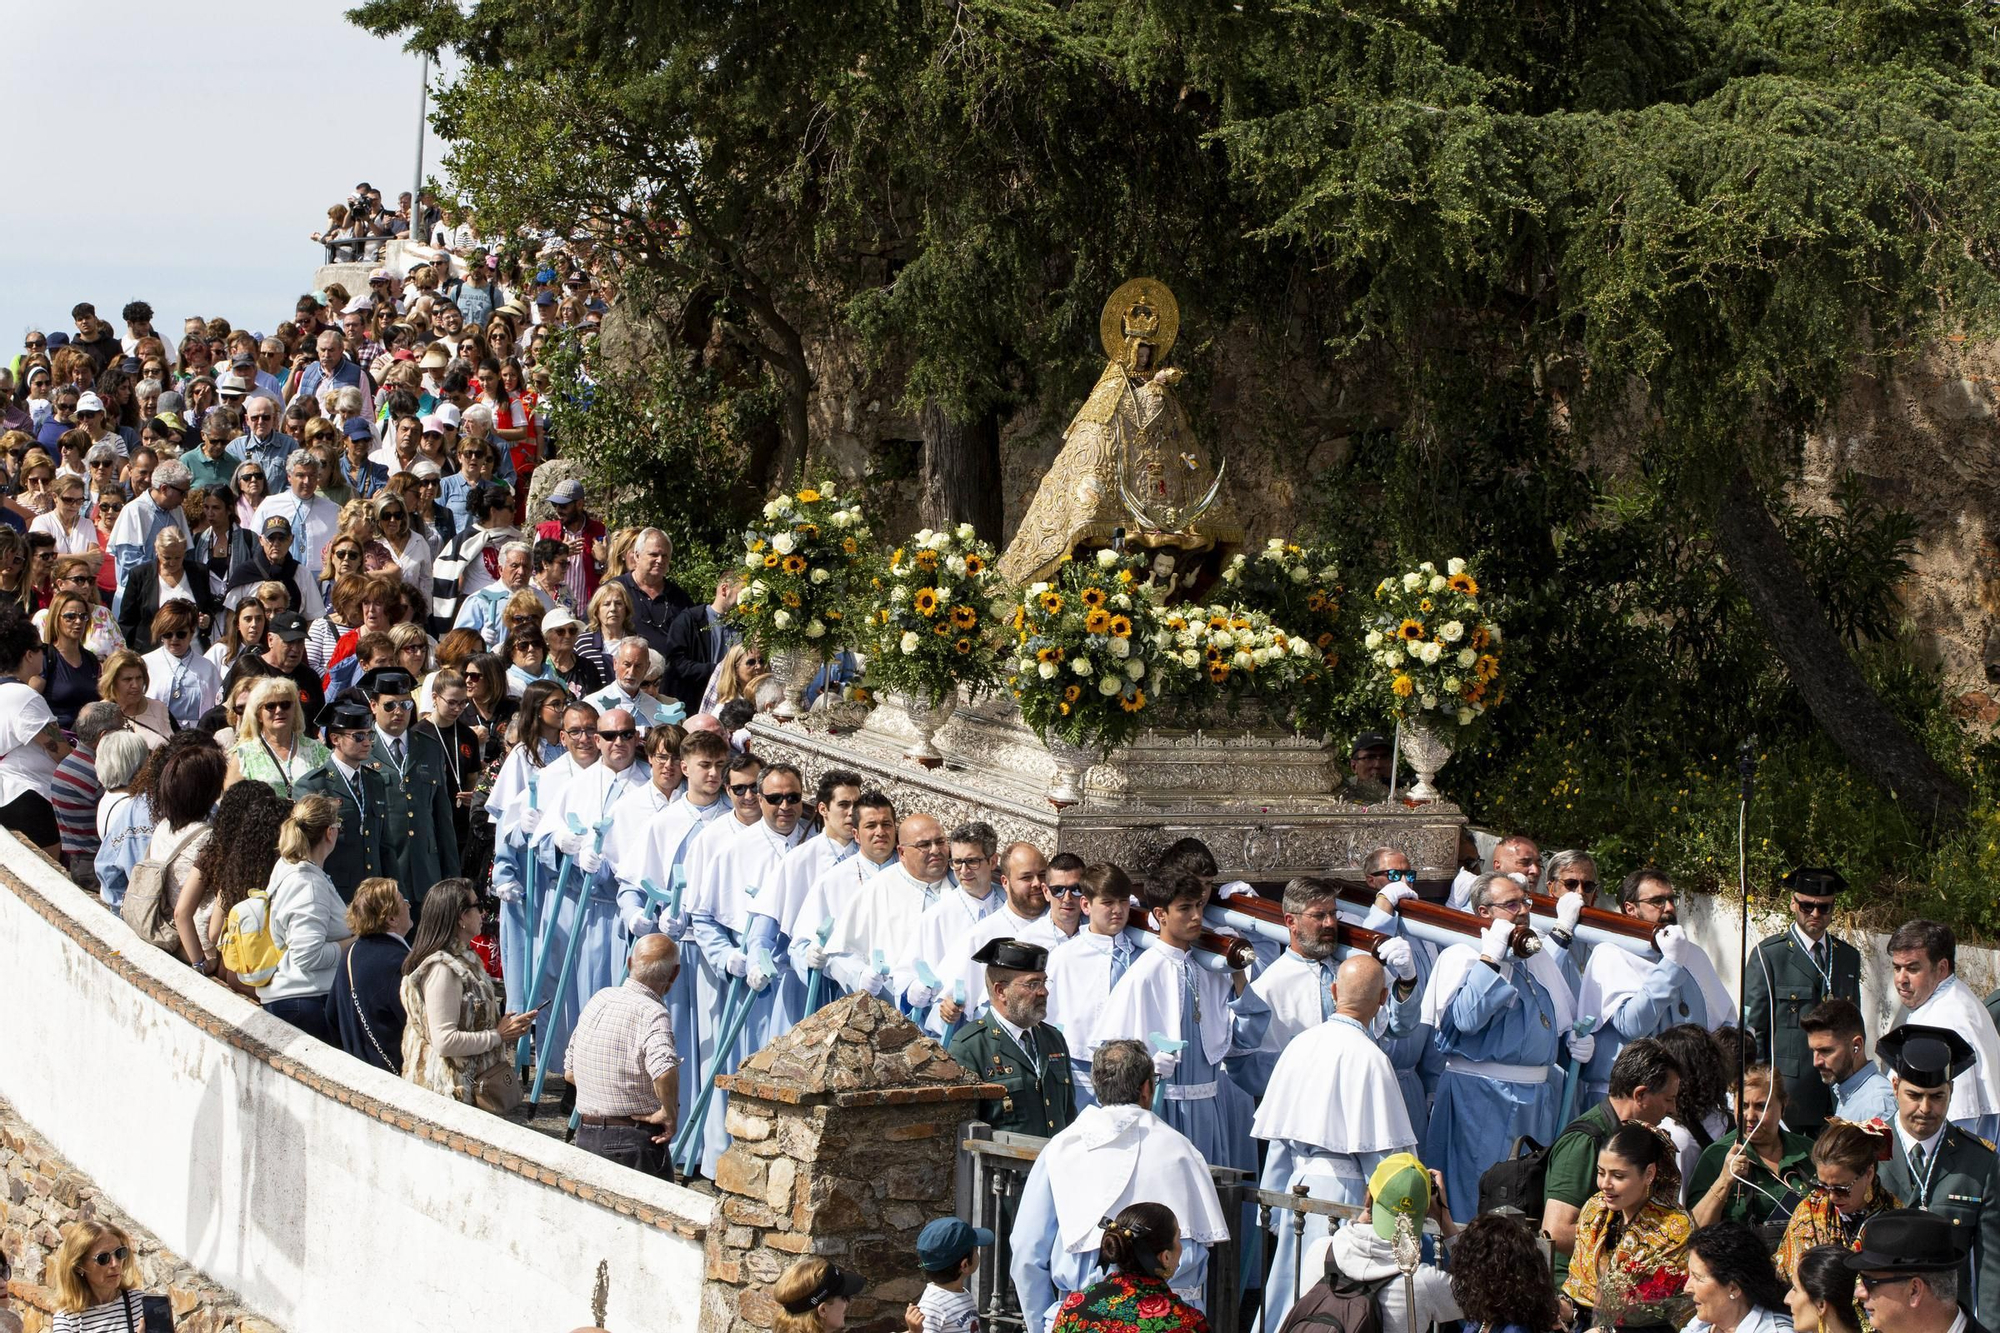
{"x": 734, "y": 677}
{"x": 70, "y": 671}
{"x": 178, "y": 676}
{"x": 194, "y": 361}
{"x": 489, "y": 708}
{"x": 273, "y": 743}
{"x": 410, "y": 552}
{"x": 157, "y": 583}
{"x": 96, "y": 1279}
{"x": 68, "y": 522}
{"x": 527, "y": 654}
{"x": 77, "y": 573}
{"x": 1846, "y": 1158}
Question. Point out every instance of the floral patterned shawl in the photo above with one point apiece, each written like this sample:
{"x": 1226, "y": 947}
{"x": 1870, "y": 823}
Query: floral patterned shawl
{"x": 1128, "y": 1303}
{"x": 1631, "y": 1275}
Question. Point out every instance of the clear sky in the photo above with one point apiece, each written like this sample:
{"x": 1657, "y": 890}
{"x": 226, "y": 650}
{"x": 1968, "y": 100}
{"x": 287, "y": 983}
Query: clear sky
{"x": 214, "y": 137}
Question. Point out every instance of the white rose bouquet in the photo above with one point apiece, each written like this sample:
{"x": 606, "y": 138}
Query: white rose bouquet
{"x": 934, "y": 617}
{"x": 1434, "y": 654}
{"x": 802, "y": 559}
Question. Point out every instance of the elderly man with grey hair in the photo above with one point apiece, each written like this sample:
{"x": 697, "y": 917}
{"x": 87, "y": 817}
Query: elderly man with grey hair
{"x": 622, "y": 1062}
{"x": 75, "y": 791}
{"x": 262, "y": 442}
{"x": 1502, "y": 1013}
{"x": 313, "y": 519}
{"x": 631, "y": 668}
{"x": 657, "y": 602}
{"x": 481, "y": 610}
{"x": 148, "y": 515}
{"x": 1114, "y": 1154}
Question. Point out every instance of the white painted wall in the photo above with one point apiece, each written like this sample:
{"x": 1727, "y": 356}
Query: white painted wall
{"x": 322, "y": 1217}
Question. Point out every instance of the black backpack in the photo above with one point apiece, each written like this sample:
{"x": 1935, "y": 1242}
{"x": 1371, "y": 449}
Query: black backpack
{"x": 1337, "y": 1304}
{"x": 1517, "y": 1182}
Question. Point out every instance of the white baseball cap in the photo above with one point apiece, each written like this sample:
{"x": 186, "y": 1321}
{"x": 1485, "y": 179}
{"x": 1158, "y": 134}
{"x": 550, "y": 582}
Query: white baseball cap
{"x": 89, "y": 402}
{"x": 557, "y": 618}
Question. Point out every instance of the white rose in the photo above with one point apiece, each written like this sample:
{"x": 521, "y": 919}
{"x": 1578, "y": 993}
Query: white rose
{"x": 1327, "y": 573}
{"x": 955, "y": 563}
{"x": 938, "y": 541}
{"x": 1300, "y": 573}
{"x": 1452, "y": 684}
{"x": 1163, "y": 640}
{"x": 1046, "y": 670}
{"x": 1465, "y": 717}
{"x": 815, "y": 630}
{"x": 820, "y": 576}
{"x": 1121, "y": 601}
{"x": 1412, "y": 582}
{"x": 1038, "y": 588}
{"x": 965, "y": 532}
{"x": 1272, "y": 544}
{"x": 1373, "y": 641}
{"x": 759, "y": 587}
{"x": 898, "y": 593}
{"x": 1190, "y": 658}
{"x": 1432, "y": 653}
{"x": 923, "y": 536}
{"x": 1300, "y": 648}
{"x": 1186, "y": 638}
{"x": 1230, "y": 574}
{"x": 1414, "y": 652}
{"x": 782, "y": 619}
{"x": 1081, "y": 666}
{"x": 784, "y": 503}
{"x": 771, "y": 509}
{"x": 1452, "y": 631}
{"x": 1454, "y": 566}
{"x": 1261, "y": 656}
{"x": 1108, "y": 684}
{"x": 1222, "y": 638}
{"x": 1430, "y": 701}
{"x": 1121, "y": 647}
{"x": 752, "y": 560}
{"x": 910, "y": 642}
{"x": 1428, "y": 568}
{"x": 1135, "y": 669}
{"x": 1466, "y": 657}
{"x": 783, "y": 543}
{"x": 1242, "y": 661}
{"x": 1437, "y": 583}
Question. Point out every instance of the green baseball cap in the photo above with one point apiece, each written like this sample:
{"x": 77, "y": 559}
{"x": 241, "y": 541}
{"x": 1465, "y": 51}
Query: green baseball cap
{"x": 1400, "y": 1187}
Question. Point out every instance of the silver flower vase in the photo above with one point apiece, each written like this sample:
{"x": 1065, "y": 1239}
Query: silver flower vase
{"x": 794, "y": 669}
{"x": 1427, "y": 751}
{"x": 1072, "y": 762}
{"x": 927, "y": 718}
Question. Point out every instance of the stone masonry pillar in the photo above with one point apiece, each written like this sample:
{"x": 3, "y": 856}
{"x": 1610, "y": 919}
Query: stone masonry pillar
{"x": 844, "y": 1144}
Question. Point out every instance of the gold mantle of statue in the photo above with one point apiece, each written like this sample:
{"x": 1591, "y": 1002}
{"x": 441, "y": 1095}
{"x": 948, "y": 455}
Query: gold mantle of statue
{"x": 1129, "y": 462}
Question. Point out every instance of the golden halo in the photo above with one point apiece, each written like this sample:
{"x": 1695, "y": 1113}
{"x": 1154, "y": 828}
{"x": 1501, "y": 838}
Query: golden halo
{"x": 1110, "y": 324}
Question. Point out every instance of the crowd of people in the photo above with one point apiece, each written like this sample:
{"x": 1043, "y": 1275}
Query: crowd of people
{"x": 288, "y": 682}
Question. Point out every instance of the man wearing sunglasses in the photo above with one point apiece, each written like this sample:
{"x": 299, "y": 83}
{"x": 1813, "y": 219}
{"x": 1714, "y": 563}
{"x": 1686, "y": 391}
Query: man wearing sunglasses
{"x": 1024, "y": 880}
{"x": 1065, "y": 915}
{"x": 262, "y": 442}
{"x": 1789, "y": 973}
{"x": 419, "y": 840}
{"x": 834, "y": 809}
{"x": 732, "y": 915}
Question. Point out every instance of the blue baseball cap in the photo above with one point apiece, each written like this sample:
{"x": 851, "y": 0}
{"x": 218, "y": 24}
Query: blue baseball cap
{"x": 945, "y": 1242}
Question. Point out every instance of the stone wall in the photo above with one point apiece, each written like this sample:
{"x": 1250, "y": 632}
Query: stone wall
{"x": 845, "y": 1140}
{"x": 42, "y": 1195}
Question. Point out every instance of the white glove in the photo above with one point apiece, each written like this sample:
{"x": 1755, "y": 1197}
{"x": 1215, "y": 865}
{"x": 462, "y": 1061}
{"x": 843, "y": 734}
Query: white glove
{"x": 1675, "y": 946}
{"x": 636, "y": 922}
{"x": 1234, "y": 888}
{"x": 589, "y": 861}
{"x": 920, "y": 996}
{"x": 1395, "y": 954}
{"x": 673, "y": 927}
{"x": 1165, "y": 1063}
{"x": 531, "y": 819}
{"x": 1496, "y": 941}
{"x": 569, "y": 844}
{"x": 1397, "y": 892}
{"x": 813, "y": 957}
{"x": 758, "y": 978}
{"x": 509, "y": 893}
{"x": 874, "y": 983}
{"x": 1582, "y": 1048}
{"x": 735, "y": 963}
{"x": 1569, "y": 911}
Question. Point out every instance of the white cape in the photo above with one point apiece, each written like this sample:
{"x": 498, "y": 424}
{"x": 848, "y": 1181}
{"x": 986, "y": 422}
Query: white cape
{"x": 1455, "y": 962}
{"x": 795, "y": 876}
{"x": 591, "y": 795}
{"x": 1148, "y": 1000}
{"x": 1952, "y": 1005}
{"x": 1334, "y": 1089}
{"x": 736, "y": 879}
{"x": 1291, "y": 987}
{"x": 1115, "y": 1156}
{"x": 1614, "y": 972}
{"x": 1079, "y": 983}
{"x": 882, "y": 916}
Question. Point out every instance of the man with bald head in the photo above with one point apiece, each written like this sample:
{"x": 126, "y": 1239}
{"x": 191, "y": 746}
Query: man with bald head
{"x": 877, "y": 925}
{"x": 1332, "y": 1113}
{"x": 1516, "y": 856}
{"x": 622, "y": 1062}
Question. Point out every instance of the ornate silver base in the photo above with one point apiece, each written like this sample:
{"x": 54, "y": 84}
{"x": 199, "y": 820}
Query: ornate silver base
{"x": 1263, "y": 798}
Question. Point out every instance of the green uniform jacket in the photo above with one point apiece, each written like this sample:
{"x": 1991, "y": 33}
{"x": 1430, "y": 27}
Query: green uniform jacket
{"x": 1964, "y": 1187}
{"x": 1041, "y": 1104}
{"x": 1754, "y": 1200}
{"x": 357, "y": 855}
{"x": 1781, "y": 971}
{"x": 418, "y": 840}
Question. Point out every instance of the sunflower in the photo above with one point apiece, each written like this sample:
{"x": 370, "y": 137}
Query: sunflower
{"x": 1093, "y": 597}
{"x": 792, "y": 600}
{"x": 1425, "y": 606}
{"x": 964, "y": 617}
{"x": 810, "y": 531}
{"x": 1097, "y": 621}
{"x": 1487, "y": 667}
{"x": 1121, "y": 627}
{"x": 1048, "y": 654}
{"x": 1176, "y": 623}
{"x": 1133, "y": 702}
{"x": 1218, "y": 622}
{"x": 795, "y": 564}
{"x": 926, "y": 560}
{"x": 1063, "y": 709}
{"x": 757, "y": 545}
{"x": 1052, "y": 603}
{"x": 1316, "y": 602}
{"x": 1072, "y": 692}
{"x": 882, "y": 616}
{"x": 771, "y": 561}
{"x": 961, "y": 646}
{"x": 1218, "y": 671}
{"x": 942, "y": 629}
{"x": 1413, "y": 630}
{"x": 1480, "y": 638}
{"x": 1403, "y": 687}
{"x": 926, "y": 601}
{"x": 974, "y": 565}
{"x": 1020, "y": 617}
{"x": 808, "y": 496}
{"x": 1324, "y": 640}
{"x": 895, "y": 557}
{"x": 1464, "y": 583}
{"x": 849, "y": 545}
{"x": 1124, "y": 576}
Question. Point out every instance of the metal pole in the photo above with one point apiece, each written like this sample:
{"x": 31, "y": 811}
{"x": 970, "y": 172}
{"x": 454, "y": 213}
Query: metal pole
{"x": 415, "y": 235}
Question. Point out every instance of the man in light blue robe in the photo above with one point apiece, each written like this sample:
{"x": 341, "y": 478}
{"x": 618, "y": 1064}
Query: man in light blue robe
{"x": 833, "y": 803}
{"x": 1500, "y": 1020}
{"x": 1633, "y": 996}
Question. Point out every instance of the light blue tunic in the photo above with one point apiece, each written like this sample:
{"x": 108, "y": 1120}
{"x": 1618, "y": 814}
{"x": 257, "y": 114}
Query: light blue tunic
{"x": 1669, "y": 996}
{"x": 1864, "y": 1095}
{"x": 1476, "y": 1118}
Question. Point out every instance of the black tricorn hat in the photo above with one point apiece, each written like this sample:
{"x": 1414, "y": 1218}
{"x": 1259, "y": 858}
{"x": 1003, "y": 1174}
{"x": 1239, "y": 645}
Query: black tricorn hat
{"x": 1925, "y": 1057}
{"x": 1909, "y": 1240}
{"x": 1013, "y": 956}
{"x": 1816, "y": 882}
{"x": 345, "y": 713}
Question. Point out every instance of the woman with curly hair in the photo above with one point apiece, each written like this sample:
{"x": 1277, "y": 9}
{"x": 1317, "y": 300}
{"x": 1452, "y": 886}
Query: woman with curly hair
{"x": 236, "y": 859}
{"x": 1140, "y": 1248}
{"x": 1500, "y": 1279}
{"x": 1701, "y": 1111}
{"x": 1845, "y": 1158}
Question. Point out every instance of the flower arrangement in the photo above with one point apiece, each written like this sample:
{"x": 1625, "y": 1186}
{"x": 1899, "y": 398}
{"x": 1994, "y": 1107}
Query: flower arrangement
{"x": 1087, "y": 662}
{"x": 932, "y": 620}
{"x": 1298, "y": 586}
{"x": 802, "y": 559}
{"x": 1225, "y": 654}
{"x": 1435, "y": 655}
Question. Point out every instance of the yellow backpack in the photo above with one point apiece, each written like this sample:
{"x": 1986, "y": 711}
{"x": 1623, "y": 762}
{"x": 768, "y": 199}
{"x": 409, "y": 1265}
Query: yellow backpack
{"x": 247, "y": 947}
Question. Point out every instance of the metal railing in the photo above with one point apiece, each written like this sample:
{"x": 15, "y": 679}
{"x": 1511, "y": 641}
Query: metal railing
{"x": 993, "y": 1168}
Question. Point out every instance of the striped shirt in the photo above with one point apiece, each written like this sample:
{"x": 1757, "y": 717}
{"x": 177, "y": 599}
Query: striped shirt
{"x": 75, "y": 793}
{"x": 115, "y": 1316}
{"x": 624, "y": 1040}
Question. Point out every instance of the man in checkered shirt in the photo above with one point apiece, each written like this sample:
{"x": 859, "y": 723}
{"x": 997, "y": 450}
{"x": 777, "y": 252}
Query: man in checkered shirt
{"x": 622, "y": 1060}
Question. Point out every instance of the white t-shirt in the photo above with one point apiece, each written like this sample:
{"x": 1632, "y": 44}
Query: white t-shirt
{"x": 948, "y": 1311}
